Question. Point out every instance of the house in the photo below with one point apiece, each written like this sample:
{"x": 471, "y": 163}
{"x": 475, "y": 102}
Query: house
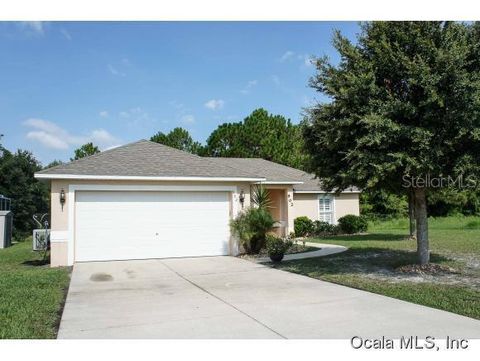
{"x": 146, "y": 200}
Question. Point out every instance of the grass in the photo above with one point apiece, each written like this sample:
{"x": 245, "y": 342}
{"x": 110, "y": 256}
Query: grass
{"x": 31, "y": 294}
{"x": 371, "y": 260}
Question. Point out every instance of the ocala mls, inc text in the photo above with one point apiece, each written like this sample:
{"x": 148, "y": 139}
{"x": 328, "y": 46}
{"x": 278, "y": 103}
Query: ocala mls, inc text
{"x": 409, "y": 343}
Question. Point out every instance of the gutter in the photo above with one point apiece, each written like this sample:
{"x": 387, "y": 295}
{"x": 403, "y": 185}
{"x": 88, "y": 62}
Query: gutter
{"x": 323, "y": 192}
{"x": 279, "y": 182}
{"x": 145, "y": 178}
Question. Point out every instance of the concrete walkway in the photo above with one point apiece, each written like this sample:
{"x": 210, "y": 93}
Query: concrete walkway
{"x": 325, "y": 250}
{"x": 226, "y": 297}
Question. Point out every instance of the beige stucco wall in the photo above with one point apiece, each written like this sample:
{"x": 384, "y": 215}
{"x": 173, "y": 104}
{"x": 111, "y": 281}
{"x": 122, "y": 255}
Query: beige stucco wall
{"x": 306, "y": 204}
{"x": 58, "y": 254}
{"x": 347, "y": 203}
{"x": 59, "y": 216}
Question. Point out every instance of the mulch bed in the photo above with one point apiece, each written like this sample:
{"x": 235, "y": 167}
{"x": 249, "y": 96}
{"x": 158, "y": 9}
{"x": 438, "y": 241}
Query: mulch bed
{"x": 296, "y": 248}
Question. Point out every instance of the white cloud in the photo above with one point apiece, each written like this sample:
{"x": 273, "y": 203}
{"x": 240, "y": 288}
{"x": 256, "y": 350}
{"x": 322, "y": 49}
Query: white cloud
{"x": 306, "y": 59}
{"x": 44, "y": 125}
{"x": 288, "y": 55}
{"x": 137, "y": 117}
{"x": 66, "y": 34}
{"x": 114, "y": 71}
{"x": 47, "y": 139}
{"x": 214, "y": 104}
{"x": 53, "y": 136}
{"x": 249, "y": 86}
{"x": 176, "y": 104}
{"x": 188, "y": 119}
{"x": 33, "y": 27}
{"x": 101, "y": 136}
{"x": 183, "y": 113}
{"x": 103, "y": 114}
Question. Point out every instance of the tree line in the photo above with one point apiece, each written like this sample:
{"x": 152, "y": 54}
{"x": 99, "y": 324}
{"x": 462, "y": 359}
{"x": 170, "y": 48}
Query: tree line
{"x": 259, "y": 135}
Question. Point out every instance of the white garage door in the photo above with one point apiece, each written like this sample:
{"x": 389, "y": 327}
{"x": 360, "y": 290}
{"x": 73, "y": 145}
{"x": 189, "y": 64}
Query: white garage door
{"x": 137, "y": 225}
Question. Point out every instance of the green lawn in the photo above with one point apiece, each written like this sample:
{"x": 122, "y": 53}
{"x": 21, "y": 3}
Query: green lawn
{"x": 31, "y": 295}
{"x": 371, "y": 260}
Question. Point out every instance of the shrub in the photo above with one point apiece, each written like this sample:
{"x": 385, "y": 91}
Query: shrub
{"x": 251, "y": 227}
{"x": 276, "y": 247}
{"x": 475, "y": 224}
{"x": 303, "y": 226}
{"x": 336, "y": 229}
{"x": 323, "y": 228}
{"x": 352, "y": 224}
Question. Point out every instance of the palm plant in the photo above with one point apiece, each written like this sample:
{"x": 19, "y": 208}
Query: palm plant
{"x": 261, "y": 197}
{"x": 251, "y": 227}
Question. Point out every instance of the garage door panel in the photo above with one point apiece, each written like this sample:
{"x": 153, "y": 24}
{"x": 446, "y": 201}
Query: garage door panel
{"x": 137, "y": 225}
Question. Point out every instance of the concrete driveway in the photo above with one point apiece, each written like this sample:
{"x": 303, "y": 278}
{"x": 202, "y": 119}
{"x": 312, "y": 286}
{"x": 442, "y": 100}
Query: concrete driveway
{"x": 226, "y": 297}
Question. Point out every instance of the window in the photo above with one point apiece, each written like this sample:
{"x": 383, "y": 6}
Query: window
{"x": 325, "y": 208}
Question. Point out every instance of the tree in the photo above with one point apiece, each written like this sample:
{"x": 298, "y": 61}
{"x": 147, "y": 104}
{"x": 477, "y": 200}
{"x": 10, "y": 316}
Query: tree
{"x": 29, "y": 196}
{"x": 53, "y": 163}
{"x": 404, "y": 109}
{"x": 450, "y": 201}
{"x": 178, "y": 138}
{"x": 262, "y": 135}
{"x": 381, "y": 204}
{"x": 85, "y": 151}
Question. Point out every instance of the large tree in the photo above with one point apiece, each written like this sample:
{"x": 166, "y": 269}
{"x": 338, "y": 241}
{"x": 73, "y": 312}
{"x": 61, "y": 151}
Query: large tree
{"x": 261, "y": 134}
{"x": 28, "y": 195}
{"x": 178, "y": 138}
{"x": 405, "y": 106}
{"x": 85, "y": 151}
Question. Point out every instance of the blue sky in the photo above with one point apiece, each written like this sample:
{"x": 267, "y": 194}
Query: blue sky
{"x": 66, "y": 83}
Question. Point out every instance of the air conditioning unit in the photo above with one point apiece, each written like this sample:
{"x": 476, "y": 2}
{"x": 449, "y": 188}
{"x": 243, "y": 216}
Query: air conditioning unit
{"x": 41, "y": 239}
{"x": 6, "y": 218}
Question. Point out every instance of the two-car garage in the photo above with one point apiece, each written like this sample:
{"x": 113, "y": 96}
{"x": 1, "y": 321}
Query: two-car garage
{"x": 119, "y": 225}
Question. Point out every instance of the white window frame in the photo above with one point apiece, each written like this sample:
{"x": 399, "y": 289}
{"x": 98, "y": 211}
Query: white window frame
{"x": 332, "y": 206}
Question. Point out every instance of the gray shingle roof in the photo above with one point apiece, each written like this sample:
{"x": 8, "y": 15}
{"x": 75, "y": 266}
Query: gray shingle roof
{"x": 148, "y": 159}
{"x": 275, "y": 172}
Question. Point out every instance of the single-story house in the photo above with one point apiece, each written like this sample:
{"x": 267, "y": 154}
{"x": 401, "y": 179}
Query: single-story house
{"x": 146, "y": 200}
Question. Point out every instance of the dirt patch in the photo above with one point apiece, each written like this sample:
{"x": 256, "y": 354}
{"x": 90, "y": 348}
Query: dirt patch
{"x": 430, "y": 268}
{"x": 410, "y": 273}
{"x": 101, "y": 277}
{"x": 462, "y": 271}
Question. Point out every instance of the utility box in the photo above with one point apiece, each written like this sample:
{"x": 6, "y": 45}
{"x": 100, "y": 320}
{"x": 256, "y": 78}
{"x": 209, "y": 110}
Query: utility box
{"x": 41, "y": 239}
{"x": 6, "y": 220}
